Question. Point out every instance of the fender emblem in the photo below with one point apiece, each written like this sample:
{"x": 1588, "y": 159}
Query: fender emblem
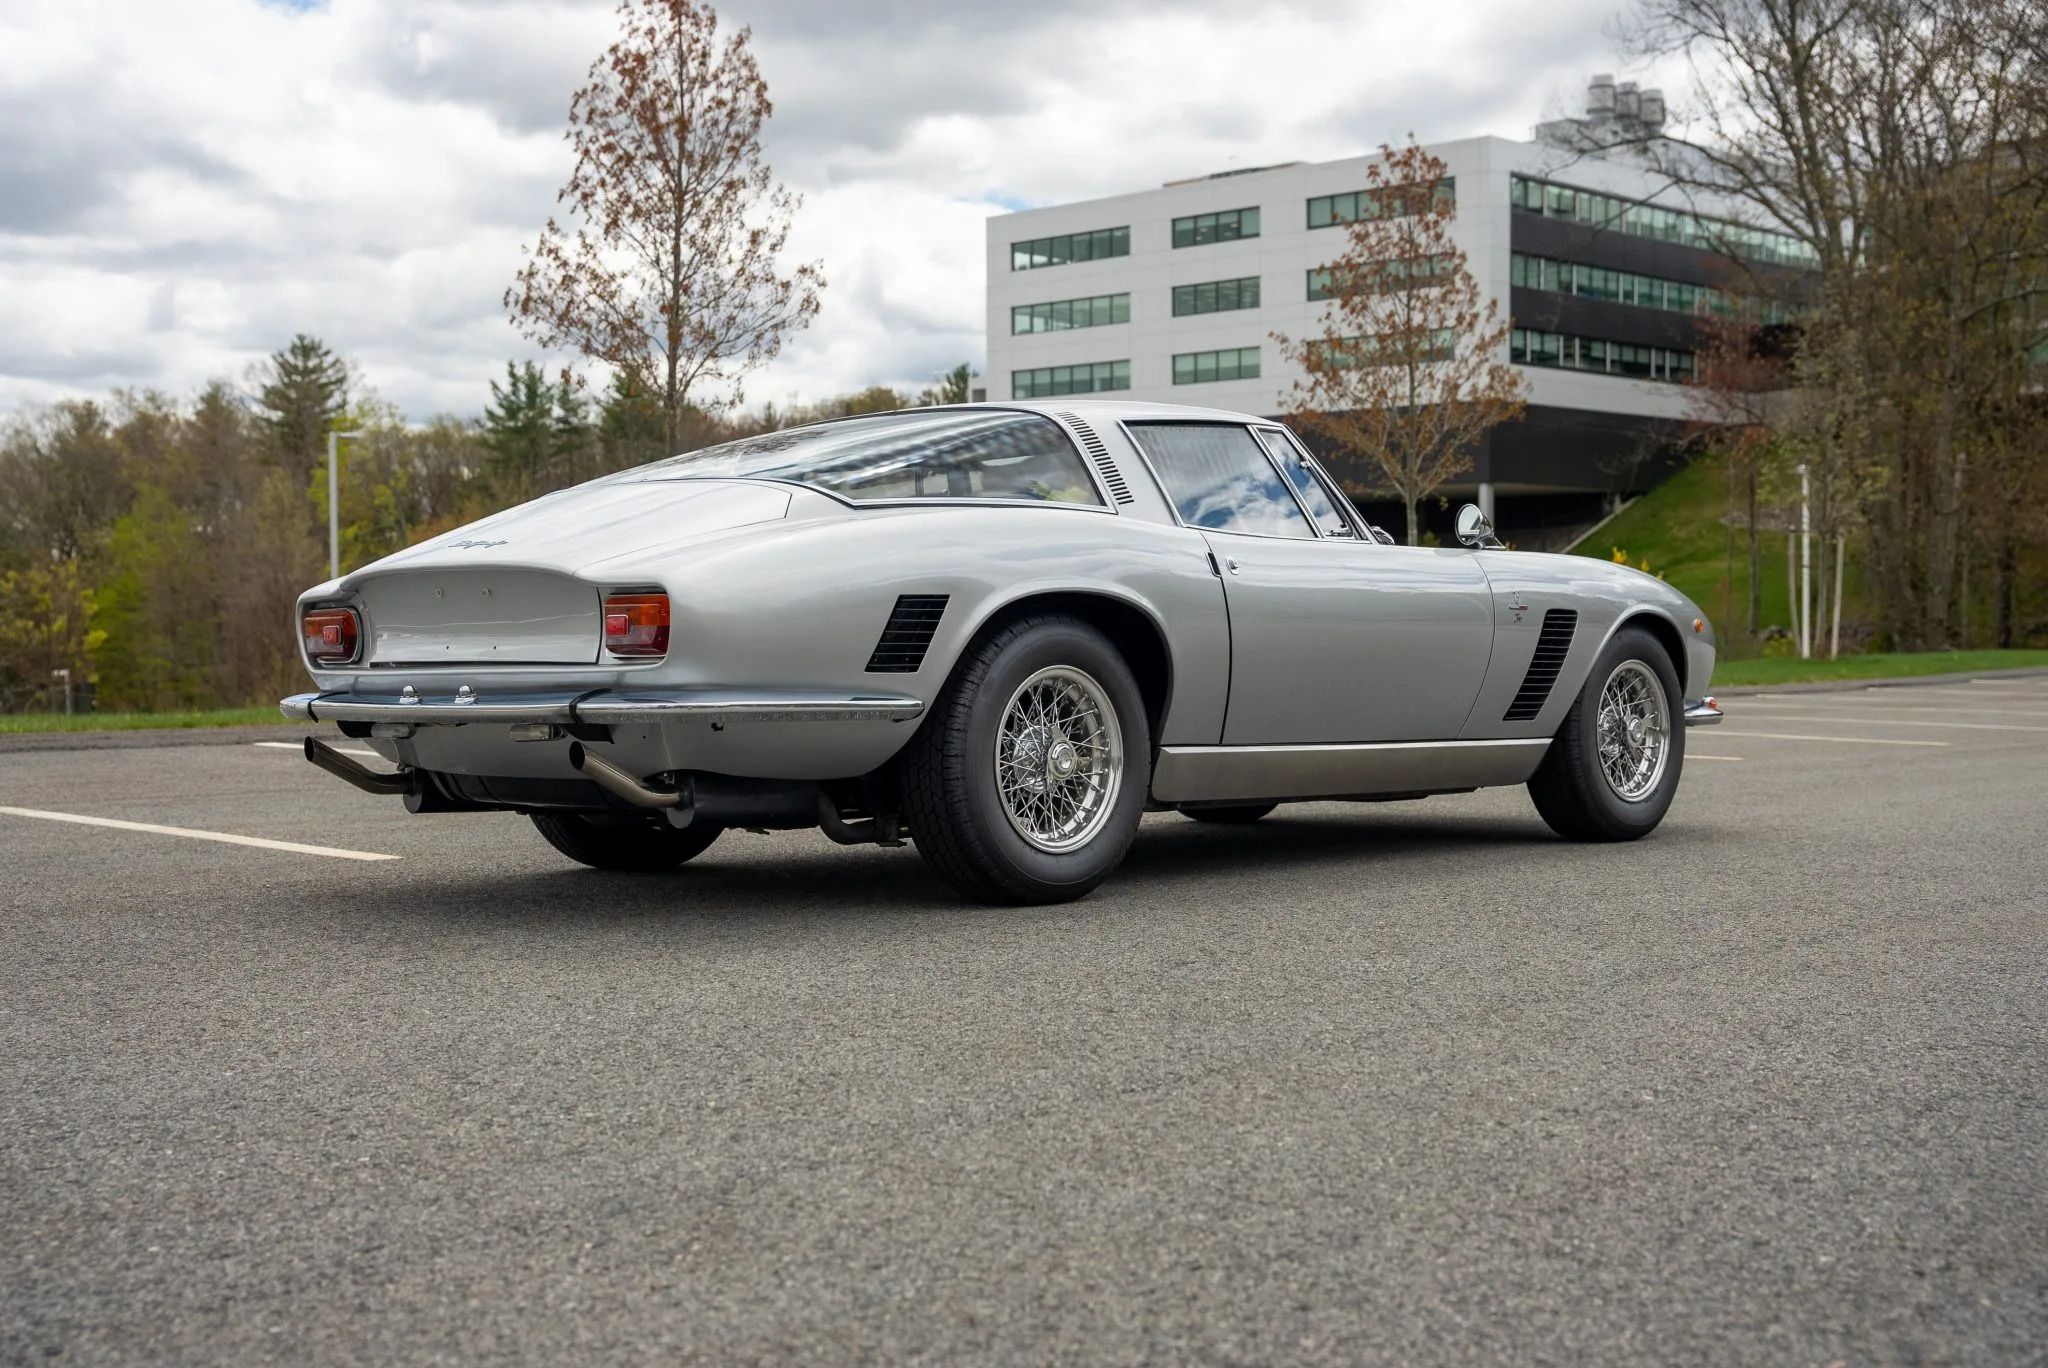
{"x": 473, "y": 544}
{"x": 1517, "y": 606}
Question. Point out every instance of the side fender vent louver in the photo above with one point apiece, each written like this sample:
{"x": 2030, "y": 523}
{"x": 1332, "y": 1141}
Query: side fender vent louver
{"x": 1112, "y": 478}
{"x": 908, "y": 634}
{"x": 1552, "y": 643}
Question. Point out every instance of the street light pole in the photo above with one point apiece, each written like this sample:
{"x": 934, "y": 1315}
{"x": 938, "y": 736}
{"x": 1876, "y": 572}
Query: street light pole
{"x": 334, "y": 502}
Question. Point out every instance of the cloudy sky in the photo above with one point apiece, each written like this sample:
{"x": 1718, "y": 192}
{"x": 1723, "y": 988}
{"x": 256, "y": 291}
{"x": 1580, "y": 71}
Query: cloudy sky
{"x": 186, "y": 183}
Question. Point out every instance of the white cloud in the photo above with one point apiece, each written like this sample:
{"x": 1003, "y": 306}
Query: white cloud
{"x": 185, "y": 184}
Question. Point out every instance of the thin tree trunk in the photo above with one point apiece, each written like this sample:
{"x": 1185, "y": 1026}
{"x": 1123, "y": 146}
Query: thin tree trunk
{"x": 1792, "y": 582}
{"x": 1756, "y": 564}
{"x": 2004, "y": 574}
{"x": 1414, "y": 525}
{"x": 1835, "y": 630}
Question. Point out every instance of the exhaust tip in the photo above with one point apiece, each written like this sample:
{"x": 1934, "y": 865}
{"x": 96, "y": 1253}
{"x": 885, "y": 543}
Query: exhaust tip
{"x": 576, "y": 756}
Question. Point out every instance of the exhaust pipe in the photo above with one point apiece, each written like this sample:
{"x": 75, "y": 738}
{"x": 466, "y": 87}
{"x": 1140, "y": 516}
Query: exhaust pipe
{"x": 341, "y": 767}
{"x": 614, "y": 780}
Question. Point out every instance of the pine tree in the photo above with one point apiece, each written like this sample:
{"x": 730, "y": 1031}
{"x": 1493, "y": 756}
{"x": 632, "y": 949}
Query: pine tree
{"x": 304, "y": 391}
{"x": 519, "y": 426}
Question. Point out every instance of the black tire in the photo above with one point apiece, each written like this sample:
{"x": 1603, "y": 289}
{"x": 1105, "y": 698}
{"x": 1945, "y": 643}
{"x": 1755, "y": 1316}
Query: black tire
{"x": 623, "y": 844}
{"x": 1229, "y": 816}
{"x": 1570, "y": 787}
{"x": 957, "y": 818}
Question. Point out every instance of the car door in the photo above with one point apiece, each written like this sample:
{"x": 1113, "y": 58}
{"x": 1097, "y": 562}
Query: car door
{"x": 1335, "y": 638}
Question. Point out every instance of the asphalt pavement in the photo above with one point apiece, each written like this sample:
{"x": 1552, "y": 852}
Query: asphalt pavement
{"x": 1408, "y": 1082}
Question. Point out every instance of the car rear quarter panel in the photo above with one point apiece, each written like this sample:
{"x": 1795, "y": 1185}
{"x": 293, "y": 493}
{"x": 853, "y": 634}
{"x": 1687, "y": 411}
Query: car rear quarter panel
{"x": 802, "y": 603}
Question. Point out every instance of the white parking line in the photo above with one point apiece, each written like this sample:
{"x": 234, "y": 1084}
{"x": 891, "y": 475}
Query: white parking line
{"x": 300, "y": 747}
{"x": 193, "y": 833}
{"x": 1691, "y": 756}
{"x": 1851, "y": 740}
{"x": 1861, "y": 721}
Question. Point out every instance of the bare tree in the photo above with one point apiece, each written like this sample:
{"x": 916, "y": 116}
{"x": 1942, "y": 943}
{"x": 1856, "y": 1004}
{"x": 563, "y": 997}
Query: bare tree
{"x": 1409, "y": 369}
{"x": 671, "y": 269}
{"x": 1905, "y": 142}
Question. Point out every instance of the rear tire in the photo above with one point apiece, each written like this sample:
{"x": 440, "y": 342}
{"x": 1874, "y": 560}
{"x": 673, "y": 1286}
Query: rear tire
{"x": 1049, "y": 704}
{"x": 1229, "y": 816}
{"x": 623, "y": 844}
{"x": 1614, "y": 780}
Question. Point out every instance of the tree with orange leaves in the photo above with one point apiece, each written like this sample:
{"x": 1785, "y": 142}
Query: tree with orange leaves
{"x": 670, "y": 269}
{"x": 1409, "y": 370}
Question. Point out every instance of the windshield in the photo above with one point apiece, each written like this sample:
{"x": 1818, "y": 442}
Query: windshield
{"x": 940, "y": 454}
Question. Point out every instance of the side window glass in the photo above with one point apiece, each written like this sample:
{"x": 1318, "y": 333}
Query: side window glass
{"x": 1220, "y": 480}
{"x": 1307, "y": 487}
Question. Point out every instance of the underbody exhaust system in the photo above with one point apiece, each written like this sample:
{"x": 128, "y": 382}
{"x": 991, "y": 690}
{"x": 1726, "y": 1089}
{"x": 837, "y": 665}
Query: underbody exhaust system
{"x": 617, "y": 782}
{"x": 341, "y": 767}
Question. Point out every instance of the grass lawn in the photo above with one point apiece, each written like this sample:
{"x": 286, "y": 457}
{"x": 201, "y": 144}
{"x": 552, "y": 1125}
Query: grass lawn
{"x": 1677, "y": 528}
{"x": 1898, "y": 664}
{"x": 59, "y": 722}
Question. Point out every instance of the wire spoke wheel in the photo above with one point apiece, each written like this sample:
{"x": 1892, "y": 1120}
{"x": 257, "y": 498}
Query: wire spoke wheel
{"x": 1634, "y": 731}
{"x": 1059, "y": 759}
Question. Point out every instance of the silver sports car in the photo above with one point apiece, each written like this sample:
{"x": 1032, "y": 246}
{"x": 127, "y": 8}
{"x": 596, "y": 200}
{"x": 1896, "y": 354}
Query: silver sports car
{"x": 1001, "y": 631}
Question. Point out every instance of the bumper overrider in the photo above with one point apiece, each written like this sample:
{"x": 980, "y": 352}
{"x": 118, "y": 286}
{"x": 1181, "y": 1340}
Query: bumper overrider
{"x": 601, "y": 707}
{"x": 1702, "y": 712}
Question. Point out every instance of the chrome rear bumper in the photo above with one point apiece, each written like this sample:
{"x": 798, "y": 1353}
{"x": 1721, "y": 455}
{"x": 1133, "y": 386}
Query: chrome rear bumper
{"x": 602, "y": 707}
{"x": 1702, "y": 712}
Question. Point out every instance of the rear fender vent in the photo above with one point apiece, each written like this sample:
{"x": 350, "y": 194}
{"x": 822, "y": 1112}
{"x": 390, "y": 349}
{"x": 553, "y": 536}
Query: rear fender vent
{"x": 908, "y": 634}
{"x": 1112, "y": 478}
{"x": 1553, "y": 642}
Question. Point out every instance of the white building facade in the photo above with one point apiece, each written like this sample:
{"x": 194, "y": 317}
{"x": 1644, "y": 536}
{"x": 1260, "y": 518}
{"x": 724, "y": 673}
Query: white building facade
{"x": 1174, "y": 294}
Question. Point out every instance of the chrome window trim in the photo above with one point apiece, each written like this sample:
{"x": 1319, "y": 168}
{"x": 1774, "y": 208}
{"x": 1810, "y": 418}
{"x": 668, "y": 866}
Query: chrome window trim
{"x": 1331, "y": 489}
{"x": 1173, "y": 507}
{"x": 1104, "y": 504}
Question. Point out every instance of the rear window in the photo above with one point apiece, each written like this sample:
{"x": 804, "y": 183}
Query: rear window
{"x": 940, "y": 454}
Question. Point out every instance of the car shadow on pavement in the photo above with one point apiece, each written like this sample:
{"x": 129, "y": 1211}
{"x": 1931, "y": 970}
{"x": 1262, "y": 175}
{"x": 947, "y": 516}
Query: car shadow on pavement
{"x": 797, "y": 878}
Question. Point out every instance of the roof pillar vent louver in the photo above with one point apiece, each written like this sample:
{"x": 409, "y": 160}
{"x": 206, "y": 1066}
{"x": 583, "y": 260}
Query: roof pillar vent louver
{"x": 908, "y": 634}
{"x": 1112, "y": 478}
{"x": 1553, "y": 642}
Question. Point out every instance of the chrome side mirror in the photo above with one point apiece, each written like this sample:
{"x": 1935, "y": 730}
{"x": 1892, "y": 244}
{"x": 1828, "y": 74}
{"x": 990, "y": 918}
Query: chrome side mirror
{"x": 1475, "y": 529}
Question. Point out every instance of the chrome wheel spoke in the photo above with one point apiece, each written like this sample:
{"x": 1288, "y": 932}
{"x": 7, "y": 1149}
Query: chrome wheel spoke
{"x": 1058, "y": 757}
{"x": 1633, "y": 731}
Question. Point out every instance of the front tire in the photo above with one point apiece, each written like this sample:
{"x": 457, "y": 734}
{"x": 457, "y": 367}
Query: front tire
{"x": 623, "y": 844}
{"x": 1026, "y": 782}
{"x": 1613, "y": 770}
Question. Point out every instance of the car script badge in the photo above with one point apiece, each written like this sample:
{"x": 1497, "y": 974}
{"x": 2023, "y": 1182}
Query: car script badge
{"x": 473, "y": 544}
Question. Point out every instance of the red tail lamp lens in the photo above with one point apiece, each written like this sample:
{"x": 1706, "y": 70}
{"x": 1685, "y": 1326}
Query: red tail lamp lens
{"x": 333, "y": 635}
{"x": 636, "y": 624}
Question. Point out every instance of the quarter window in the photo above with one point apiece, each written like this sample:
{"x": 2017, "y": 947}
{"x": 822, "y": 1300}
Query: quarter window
{"x": 1316, "y": 499}
{"x": 1220, "y": 480}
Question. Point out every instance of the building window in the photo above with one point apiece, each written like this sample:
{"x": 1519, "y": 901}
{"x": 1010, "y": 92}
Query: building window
{"x": 1388, "y": 201}
{"x": 1347, "y": 353}
{"x": 1199, "y": 230}
{"x": 1528, "y": 347}
{"x": 1623, "y": 215}
{"x": 1065, "y": 314}
{"x": 1216, "y": 296}
{"x": 1403, "y": 274}
{"x": 1058, "y": 251}
{"x": 1623, "y": 287}
{"x": 1086, "y": 378}
{"x": 1232, "y": 363}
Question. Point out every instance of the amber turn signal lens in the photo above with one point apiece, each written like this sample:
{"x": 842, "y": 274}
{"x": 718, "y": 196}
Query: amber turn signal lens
{"x": 333, "y": 635}
{"x": 636, "y": 624}
{"x": 1699, "y": 624}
